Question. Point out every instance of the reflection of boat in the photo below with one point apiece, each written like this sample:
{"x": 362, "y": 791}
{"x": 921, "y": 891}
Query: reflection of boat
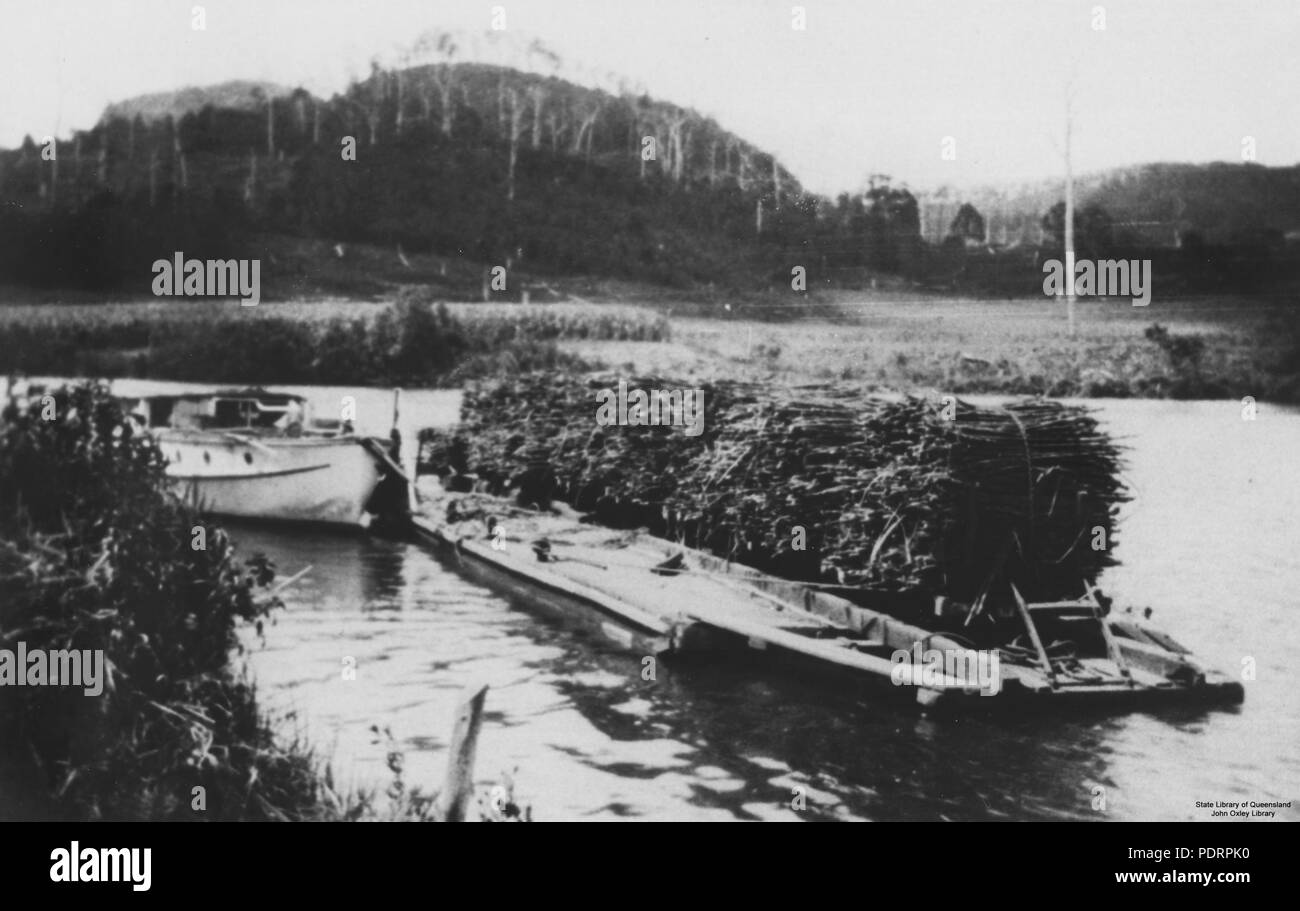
{"x": 693, "y": 602}
{"x": 259, "y": 455}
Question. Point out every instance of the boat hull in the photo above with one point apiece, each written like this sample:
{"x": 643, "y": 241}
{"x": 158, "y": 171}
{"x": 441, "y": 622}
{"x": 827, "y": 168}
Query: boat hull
{"x": 285, "y": 479}
{"x": 716, "y": 607}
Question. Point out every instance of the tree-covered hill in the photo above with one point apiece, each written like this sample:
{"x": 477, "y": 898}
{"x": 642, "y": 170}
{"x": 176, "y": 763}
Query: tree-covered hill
{"x": 462, "y": 166}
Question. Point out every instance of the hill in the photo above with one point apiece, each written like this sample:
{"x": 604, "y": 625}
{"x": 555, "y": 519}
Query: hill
{"x": 238, "y": 95}
{"x": 477, "y": 162}
{"x": 1156, "y": 203}
{"x": 462, "y": 167}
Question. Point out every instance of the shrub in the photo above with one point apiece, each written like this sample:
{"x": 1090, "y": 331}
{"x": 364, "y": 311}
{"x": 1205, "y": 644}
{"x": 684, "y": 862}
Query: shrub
{"x": 96, "y": 554}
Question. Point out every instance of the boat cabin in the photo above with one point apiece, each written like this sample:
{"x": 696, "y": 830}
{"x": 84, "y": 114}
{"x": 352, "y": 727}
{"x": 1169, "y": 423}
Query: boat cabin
{"x": 240, "y": 409}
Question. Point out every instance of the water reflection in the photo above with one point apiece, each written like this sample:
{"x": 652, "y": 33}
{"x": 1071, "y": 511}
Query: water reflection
{"x": 717, "y": 740}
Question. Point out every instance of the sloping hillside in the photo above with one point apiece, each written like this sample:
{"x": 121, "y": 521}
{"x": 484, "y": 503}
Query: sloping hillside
{"x": 1222, "y": 202}
{"x": 479, "y": 162}
{"x": 238, "y": 95}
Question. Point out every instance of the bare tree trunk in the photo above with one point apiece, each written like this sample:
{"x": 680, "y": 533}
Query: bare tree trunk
{"x": 683, "y": 153}
{"x": 743, "y": 157}
{"x": 270, "y": 126}
{"x": 446, "y": 83}
{"x": 501, "y": 103}
{"x": 516, "y": 130}
{"x": 153, "y": 177}
{"x": 250, "y": 182}
{"x": 585, "y": 128}
{"x": 538, "y": 96}
{"x": 178, "y": 156}
{"x": 315, "y": 123}
{"x": 553, "y": 121}
{"x": 674, "y": 164}
{"x": 401, "y": 103}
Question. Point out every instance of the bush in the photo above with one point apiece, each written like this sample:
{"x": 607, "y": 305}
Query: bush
{"x": 95, "y": 554}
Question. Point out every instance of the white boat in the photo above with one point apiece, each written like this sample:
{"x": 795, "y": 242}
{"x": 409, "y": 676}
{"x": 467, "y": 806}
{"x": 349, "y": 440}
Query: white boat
{"x": 252, "y": 454}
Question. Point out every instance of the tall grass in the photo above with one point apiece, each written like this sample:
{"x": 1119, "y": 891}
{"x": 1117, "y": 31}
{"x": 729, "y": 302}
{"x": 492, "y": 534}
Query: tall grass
{"x": 500, "y": 323}
{"x": 411, "y": 342}
{"x": 94, "y": 554}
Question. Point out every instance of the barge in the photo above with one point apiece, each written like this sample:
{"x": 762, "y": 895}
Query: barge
{"x": 654, "y": 597}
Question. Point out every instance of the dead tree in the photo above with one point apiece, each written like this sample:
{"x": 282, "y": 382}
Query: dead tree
{"x": 674, "y": 153}
{"x": 178, "y": 160}
{"x": 444, "y": 79}
{"x": 537, "y": 95}
{"x": 262, "y": 95}
{"x": 250, "y": 182}
{"x": 586, "y": 125}
{"x": 399, "y": 76}
{"x": 516, "y": 130}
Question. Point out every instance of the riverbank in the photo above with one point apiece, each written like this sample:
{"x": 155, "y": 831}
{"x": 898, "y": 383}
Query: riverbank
{"x": 107, "y": 577}
{"x": 1192, "y": 348}
{"x": 409, "y": 342}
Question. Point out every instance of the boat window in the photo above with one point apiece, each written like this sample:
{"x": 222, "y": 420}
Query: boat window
{"x": 248, "y": 458}
{"x": 207, "y": 458}
{"x": 233, "y": 412}
{"x": 178, "y": 455}
{"x": 160, "y": 412}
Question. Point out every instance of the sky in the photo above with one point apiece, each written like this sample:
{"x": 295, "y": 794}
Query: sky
{"x": 866, "y": 87}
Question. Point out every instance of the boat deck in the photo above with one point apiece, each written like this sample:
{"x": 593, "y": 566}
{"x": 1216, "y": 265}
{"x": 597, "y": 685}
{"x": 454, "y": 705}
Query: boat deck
{"x": 696, "y": 603}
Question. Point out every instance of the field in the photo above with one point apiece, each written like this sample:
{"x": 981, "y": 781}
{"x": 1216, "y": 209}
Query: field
{"x": 1212, "y": 348}
{"x": 1202, "y": 348}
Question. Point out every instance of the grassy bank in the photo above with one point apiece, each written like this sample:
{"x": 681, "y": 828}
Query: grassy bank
{"x": 1193, "y": 348}
{"x": 94, "y": 555}
{"x": 1202, "y": 347}
{"x": 97, "y": 556}
{"x": 411, "y": 342}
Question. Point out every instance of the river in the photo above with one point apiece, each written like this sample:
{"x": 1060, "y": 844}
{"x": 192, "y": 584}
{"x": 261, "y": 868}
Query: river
{"x": 1210, "y": 542}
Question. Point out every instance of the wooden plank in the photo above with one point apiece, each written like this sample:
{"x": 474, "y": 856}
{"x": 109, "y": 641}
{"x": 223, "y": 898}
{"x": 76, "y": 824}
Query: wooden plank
{"x": 661, "y": 624}
{"x": 1112, "y": 647}
{"x": 1033, "y": 635}
{"x": 459, "y": 787}
{"x": 821, "y": 649}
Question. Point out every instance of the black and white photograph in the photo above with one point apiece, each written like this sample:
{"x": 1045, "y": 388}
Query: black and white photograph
{"x": 689, "y": 411}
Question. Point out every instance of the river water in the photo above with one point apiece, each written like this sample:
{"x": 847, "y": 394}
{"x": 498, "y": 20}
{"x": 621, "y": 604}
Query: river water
{"x": 1211, "y": 542}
